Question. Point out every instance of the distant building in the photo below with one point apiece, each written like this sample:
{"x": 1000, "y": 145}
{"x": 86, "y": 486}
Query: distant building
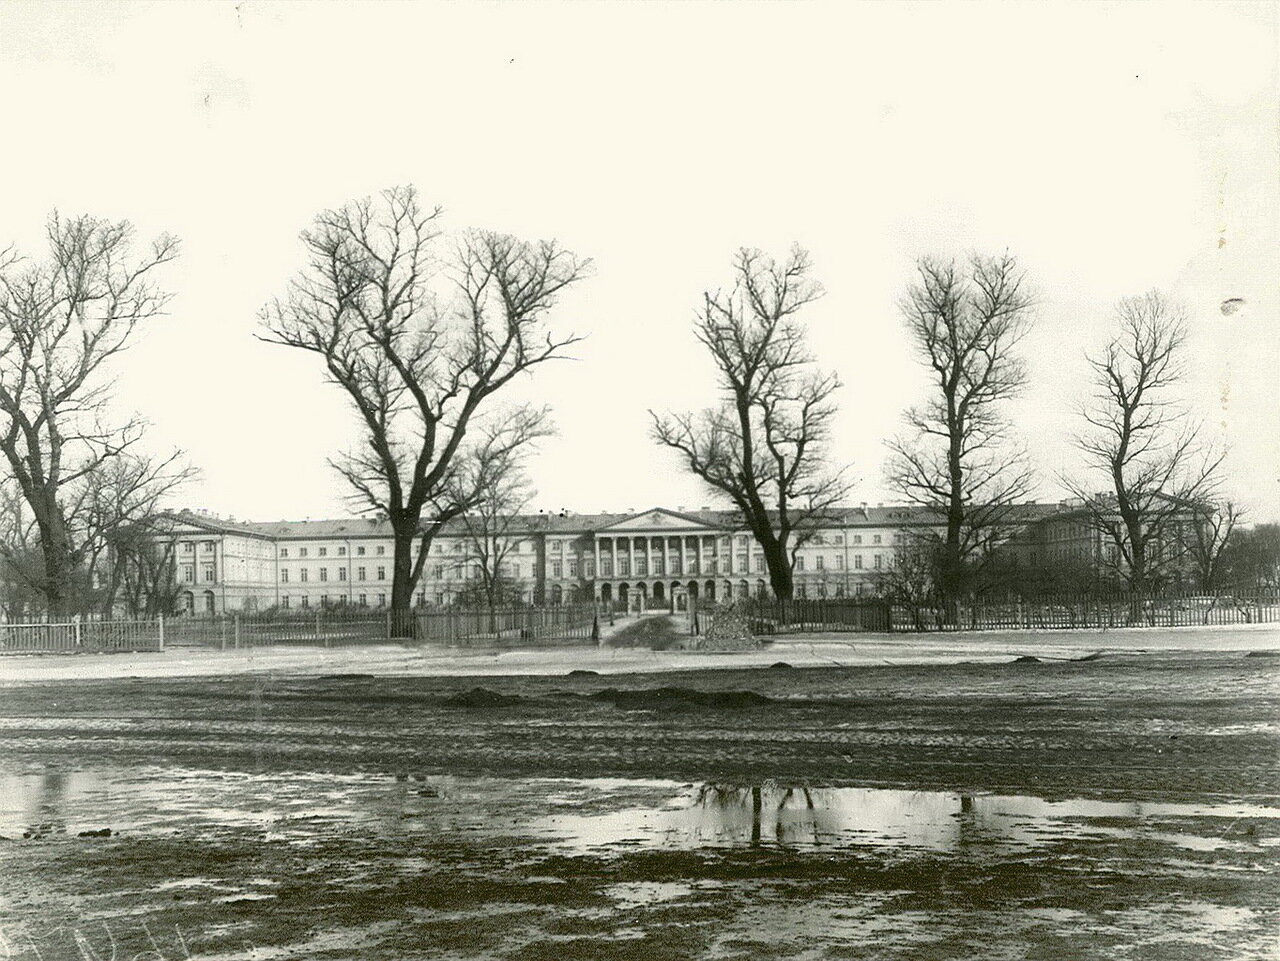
{"x": 224, "y": 565}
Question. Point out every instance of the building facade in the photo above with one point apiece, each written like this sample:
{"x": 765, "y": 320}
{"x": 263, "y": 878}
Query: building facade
{"x": 658, "y": 554}
{"x": 664, "y": 556}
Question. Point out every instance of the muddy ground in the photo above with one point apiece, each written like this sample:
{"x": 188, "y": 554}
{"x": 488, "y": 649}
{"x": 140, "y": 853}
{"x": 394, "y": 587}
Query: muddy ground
{"x": 1123, "y": 807}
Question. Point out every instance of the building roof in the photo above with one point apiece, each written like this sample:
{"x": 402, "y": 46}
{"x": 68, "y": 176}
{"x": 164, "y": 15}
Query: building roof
{"x": 571, "y": 523}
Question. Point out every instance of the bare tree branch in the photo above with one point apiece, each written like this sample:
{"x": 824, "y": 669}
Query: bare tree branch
{"x": 419, "y": 368}
{"x": 956, "y": 458}
{"x": 765, "y": 446}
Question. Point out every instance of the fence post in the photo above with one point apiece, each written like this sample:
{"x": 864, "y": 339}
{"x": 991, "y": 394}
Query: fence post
{"x": 388, "y": 624}
{"x": 235, "y": 630}
{"x": 222, "y": 634}
{"x": 160, "y": 623}
{"x": 79, "y": 637}
{"x": 319, "y": 634}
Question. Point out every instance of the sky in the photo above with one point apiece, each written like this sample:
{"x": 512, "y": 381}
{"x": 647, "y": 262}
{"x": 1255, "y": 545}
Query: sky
{"x": 1113, "y": 148}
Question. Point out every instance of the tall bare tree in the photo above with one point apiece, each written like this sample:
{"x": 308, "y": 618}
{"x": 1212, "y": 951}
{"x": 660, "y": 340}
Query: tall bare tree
{"x": 1159, "y": 472}
{"x": 764, "y": 447}
{"x": 957, "y": 458}
{"x": 420, "y": 368}
{"x": 62, "y": 322}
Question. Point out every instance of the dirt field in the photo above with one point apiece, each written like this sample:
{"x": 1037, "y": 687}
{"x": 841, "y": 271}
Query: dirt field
{"x": 1121, "y": 807}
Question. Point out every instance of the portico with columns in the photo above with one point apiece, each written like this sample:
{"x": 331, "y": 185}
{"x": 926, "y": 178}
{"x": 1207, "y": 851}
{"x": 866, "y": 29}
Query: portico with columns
{"x": 663, "y": 555}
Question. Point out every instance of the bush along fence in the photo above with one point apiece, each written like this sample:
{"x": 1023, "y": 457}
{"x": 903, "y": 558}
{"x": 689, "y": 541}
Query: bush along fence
{"x": 1069, "y": 612}
{"x": 767, "y": 617}
{"x": 773, "y": 617}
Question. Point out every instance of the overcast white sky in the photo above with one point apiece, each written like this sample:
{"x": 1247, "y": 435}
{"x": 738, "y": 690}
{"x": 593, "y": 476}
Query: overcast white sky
{"x": 1113, "y": 148}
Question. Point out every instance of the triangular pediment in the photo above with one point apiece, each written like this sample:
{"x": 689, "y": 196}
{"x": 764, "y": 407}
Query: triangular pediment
{"x": 658, "y": 520}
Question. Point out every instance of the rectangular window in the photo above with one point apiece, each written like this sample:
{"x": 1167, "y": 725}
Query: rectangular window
{"x": 342, "y": 573}
{"x": 324, "y": 552}
{"x": 359, "y": 573}
{"x": 857, "y": 538}
{"x": 342, "y": 552}
{"x": 437, "y": 572}
{"x": 799, "y": 563}
{"x": 209, "y": 573}
{"x": 208, "y": 547}
{"x": 820, "y": 561}
{"x": 657, "y": 564}
{"x": 188, "y": 547}
{"x": 382, "y": 573}
{"x": 188, "y": 573}
{"x": 360, "y": 552}
{"x": 879, "y": 562}
{"x": 383, "y": 550}
{"x": 839, "y": 562}
{"x": 573, "y": 568}
{"x": 364, "y": 600}
{"x": 641, "y": 567}
{"x": 324, "y": 573}
{"x": 302, "y": 575}
{"x": 556, "y": 569}
{"x": 857, "y": 561}
{"x": 284, "y": 577}
{"x": 589, "y": 568}
{"x": 284, "y": 600}
{"x": 624, "y": 566}
{"x": 302, "y": 552}
{"x": 382, "y": 600}
{"x": 284, "y": 552}
{"x": 305, "y": 601}
{"x": 822, "y": 589}
{"x": 515, "y": 569}
{"x": 875, "y": 539}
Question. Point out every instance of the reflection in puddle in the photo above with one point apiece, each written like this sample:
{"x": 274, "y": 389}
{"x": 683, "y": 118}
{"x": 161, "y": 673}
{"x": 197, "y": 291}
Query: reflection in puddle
{"x": 588, "y": 814}
{"x": 808, "y": 817}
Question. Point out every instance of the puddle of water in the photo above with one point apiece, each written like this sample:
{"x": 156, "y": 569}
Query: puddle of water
{"x": 591, "y": 814}
{"x": 714, "y": 816}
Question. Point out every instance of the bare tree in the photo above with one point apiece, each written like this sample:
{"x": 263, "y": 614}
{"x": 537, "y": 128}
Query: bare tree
{"x": 1159, "y": 472}
{"x": 118, "y": 516}
{"x": 912, "y": 579}
{"x": 492, "y": 526}
{"x": 62, "y": 322}
{"x": 1211, "y": 532}
{"x": 1252, "y": 557}
{"x": 765, "y": 445}
{"x": 420, "y": 372}
{"x": 957, "y": 458}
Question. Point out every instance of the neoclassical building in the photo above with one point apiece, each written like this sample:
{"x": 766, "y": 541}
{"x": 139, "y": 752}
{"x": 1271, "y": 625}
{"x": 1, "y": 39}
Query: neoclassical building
{"x": 660, "y": 554}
